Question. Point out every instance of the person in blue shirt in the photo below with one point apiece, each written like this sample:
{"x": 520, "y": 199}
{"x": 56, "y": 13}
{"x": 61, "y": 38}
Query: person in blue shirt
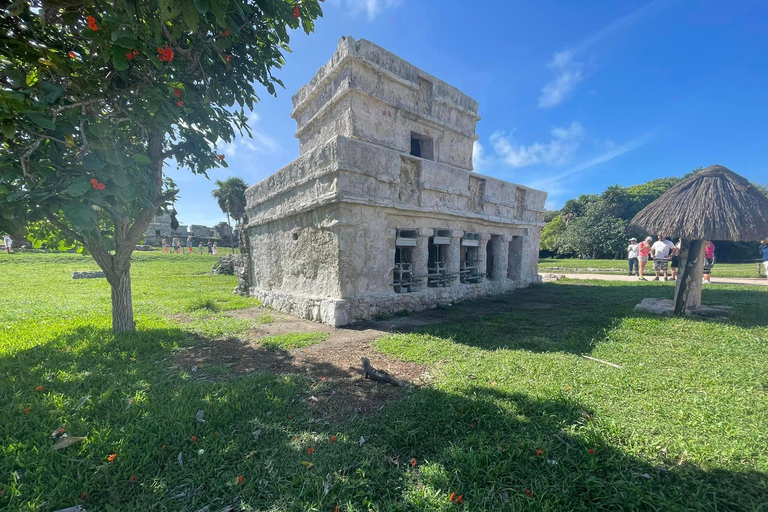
{"x": 764, "y": 252}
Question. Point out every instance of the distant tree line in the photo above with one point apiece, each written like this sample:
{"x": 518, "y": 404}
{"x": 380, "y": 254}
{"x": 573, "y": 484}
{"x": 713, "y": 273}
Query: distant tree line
{"x": 595, "y": 225}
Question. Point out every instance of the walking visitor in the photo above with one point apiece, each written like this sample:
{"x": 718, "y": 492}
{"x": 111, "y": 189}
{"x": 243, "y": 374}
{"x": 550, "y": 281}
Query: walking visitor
{"x": 189, "y": 245}
{"x": 210, "y": 247}
{"x": 632, "y": 254}
{"x": 8, "y": 243}
{"x": 660, "y": 252}
{"x": 709, "y": 261}
{"x": 764, "y": 253}
{"x": 200, "y": 247}
{"x": 643, "y": 249}
{"x": 215, "y": 249}
{"x": 176, "y": 244}
{"x": 165, "y": 244}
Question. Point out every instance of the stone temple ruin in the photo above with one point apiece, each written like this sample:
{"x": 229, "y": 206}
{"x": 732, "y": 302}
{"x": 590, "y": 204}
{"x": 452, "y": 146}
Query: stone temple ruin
{"x": 381, "y": 212}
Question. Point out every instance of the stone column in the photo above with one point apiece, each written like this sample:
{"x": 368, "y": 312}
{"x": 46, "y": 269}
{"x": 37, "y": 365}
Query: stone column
{"x": 482, "y": 257}
{"x": 421, "y": 255}
{"x": 688, "y": 285}
{"x": 500, "y": 256}
{"x": 453, "y": 255}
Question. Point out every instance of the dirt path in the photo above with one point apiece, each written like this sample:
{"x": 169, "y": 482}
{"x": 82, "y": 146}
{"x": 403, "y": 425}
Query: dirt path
{"x": 614, "y": 277}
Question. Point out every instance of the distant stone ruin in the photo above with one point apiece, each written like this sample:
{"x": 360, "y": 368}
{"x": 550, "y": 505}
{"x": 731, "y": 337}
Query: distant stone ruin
{"x": 160, "y": 228}
{"x": 381, "y": 212}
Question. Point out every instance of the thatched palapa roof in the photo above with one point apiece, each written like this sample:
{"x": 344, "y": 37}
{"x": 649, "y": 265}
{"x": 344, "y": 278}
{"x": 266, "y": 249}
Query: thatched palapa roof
{"x": 713, "y": 204}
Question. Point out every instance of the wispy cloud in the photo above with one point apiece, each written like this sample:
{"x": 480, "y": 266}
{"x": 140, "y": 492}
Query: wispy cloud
{"x": 259, "y": 142}
{"x": 565, "y": 141}
{"x": 568, "y": 70}
{"x": 479, "y": 159}
{"x": 371, "y": 8}
{"x": 555, "y": 181}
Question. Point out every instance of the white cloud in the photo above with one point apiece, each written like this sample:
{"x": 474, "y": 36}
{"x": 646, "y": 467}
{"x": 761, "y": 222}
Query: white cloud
{"x": 568, "y": 70}
{"x": 565, "y": 141}
{"x": 371, "y": 8}
{"x": 259, "y": 142}
{"x": 479, "y": 159}
{"x": 555, "y": 181}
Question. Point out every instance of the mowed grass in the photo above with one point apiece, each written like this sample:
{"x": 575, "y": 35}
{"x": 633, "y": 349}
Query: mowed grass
{"x": 621, "y": 266}
{"x": 514, "y": 417}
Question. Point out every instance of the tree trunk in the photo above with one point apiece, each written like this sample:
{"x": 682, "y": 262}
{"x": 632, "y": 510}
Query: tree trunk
{"x": 231, "y": 235}
{"x": 122, "y": 303}
{"x": 688, "y": 286}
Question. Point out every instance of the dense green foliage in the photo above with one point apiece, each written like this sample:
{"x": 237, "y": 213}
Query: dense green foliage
{"x": 95, "y": 96}
{"x": 595, "y": 225}
{"x": 230, "y": 194}
{"x": 508, "y": 419}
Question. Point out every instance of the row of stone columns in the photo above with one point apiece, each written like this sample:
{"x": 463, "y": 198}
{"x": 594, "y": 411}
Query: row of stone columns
{"x": 500, "y": 257}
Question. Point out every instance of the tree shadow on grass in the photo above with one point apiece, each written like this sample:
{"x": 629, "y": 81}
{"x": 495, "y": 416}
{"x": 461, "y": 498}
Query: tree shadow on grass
{"x": 481, "y": 443}
{"x": 569, "y": 317}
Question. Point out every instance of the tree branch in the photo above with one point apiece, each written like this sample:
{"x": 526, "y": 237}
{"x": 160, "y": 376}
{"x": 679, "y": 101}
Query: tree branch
{"x": 64, "y": 228}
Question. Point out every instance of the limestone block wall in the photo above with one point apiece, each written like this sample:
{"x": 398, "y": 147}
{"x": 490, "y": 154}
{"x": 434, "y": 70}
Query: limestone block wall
{"x": 368, "y": 93}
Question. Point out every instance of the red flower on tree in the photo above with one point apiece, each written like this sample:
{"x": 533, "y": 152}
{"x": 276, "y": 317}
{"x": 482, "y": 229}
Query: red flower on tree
{"x": 165, "y": 54}
{"x": 226, "y": 33}
{"x": 92, "y": 23}
{"x": 177, "y": 92}
{"x": 296, "y": 12}
{"x": 98, "y": 186}
{"x": 221, "y": 157}
{"x": 72, "y": 55}
{"x": 180, "y": 103}
{"x": 226, "y": 58}
{"x": 131, "y": 54}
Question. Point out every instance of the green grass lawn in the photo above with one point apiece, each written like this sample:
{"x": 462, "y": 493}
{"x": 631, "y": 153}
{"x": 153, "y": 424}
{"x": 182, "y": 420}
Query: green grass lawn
{"x": 620, "y": 266}
{"x": 514, "y": 417}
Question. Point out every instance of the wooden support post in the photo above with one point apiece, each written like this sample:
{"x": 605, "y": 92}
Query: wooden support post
{"x": 688, "y": 286}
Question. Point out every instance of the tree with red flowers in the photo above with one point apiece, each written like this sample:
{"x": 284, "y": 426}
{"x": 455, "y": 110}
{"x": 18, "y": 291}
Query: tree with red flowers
{"x": 95, "y": 96}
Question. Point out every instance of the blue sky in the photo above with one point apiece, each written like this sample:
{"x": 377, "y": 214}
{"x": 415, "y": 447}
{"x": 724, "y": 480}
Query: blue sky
{"x": 574, "y": 96}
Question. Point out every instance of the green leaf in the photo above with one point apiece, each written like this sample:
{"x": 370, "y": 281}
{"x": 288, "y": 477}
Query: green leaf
{"x": 93, "y": 162}
{"x": 78, "y": 188}
{"x": 119, "y": 60}
{"x": 51, "y": 91}
{"x": 80, "y": 215}
{"x": 202, "y": 6}
{"x": 8, "y": 130}
{"x": 40, "y": 120}
{"x": 119, "y": 178}
{"x": 191, "y": 16}
{"x": 141, "y": 159}
{"x": 105, "y": 396}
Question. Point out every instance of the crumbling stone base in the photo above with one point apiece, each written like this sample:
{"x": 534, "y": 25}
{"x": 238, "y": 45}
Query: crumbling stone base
{"x": 338, "y": 312}
{"x": 667, "y": 307}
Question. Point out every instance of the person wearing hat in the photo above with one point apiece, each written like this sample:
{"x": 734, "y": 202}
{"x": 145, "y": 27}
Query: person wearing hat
{"x": 632, "y": 254}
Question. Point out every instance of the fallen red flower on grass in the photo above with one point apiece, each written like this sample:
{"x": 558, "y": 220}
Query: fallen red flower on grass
{"x": 591, "y": 451}
{"x": 39, "y": 389}
{"x": 193, "y": 438}
{"x": 83, "y": 495}
{"x": 452, "y": 496}
{"x": 111, "y": 457}
{"x": 310, "y": 450}
{"x": 240, "y": 479}
{"x": 333, "y": 439}
{"x": 413, "y": 462}
{"x": 26, "y": 410}
{"x": 528, "y": 493}
{"x": 134, "y": 478}
{"x": 539, "y": 452}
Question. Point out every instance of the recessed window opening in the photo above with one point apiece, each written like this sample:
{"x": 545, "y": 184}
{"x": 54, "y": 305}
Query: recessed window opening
{"x": 157, "y": 232}
{"x": 295, "y": 236}
{"x": 436, "y": 271}
{"x": 422, "y": 146}
{"x": 469, "y": 271}
{"x": 403, "y": 279}
{"x": 489, "y": 259}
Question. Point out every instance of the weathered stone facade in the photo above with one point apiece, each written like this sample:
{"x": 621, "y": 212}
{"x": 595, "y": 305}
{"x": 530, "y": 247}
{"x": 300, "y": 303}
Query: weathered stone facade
{"x": 381, "y": 212}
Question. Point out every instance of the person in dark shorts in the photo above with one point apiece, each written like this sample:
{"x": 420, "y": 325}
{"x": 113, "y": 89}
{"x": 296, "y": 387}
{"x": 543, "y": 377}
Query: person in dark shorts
{"x": 674, "y": 261}
{"x": 709, "y": 261}
{"x": 632, "y": 257}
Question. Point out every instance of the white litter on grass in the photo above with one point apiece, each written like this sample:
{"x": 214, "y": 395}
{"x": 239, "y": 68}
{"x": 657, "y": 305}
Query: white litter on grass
{"x": 362, "y": 440}
{"x": 180, "y": 459}
{"x": 256, "y": 434}
{"x": 199, "y": 416}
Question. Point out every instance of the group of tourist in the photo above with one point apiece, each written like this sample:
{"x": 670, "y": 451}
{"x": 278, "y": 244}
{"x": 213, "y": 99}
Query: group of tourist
{"x": 665, "y": 256}
{"x": 213, "y": 247}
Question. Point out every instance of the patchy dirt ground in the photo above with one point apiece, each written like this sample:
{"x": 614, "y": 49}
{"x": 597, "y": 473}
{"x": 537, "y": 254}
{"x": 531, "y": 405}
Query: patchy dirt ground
{"x": 339, "y": 387}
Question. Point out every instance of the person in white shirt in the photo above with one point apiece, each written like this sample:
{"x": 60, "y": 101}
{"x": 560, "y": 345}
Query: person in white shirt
{"x": 660, "y": 252}
{"x": 8, "y": 243}
{"x": 632, "y": 254}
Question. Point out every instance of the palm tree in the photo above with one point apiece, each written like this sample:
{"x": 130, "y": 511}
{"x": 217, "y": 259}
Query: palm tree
{"x": 231, "y": 197}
